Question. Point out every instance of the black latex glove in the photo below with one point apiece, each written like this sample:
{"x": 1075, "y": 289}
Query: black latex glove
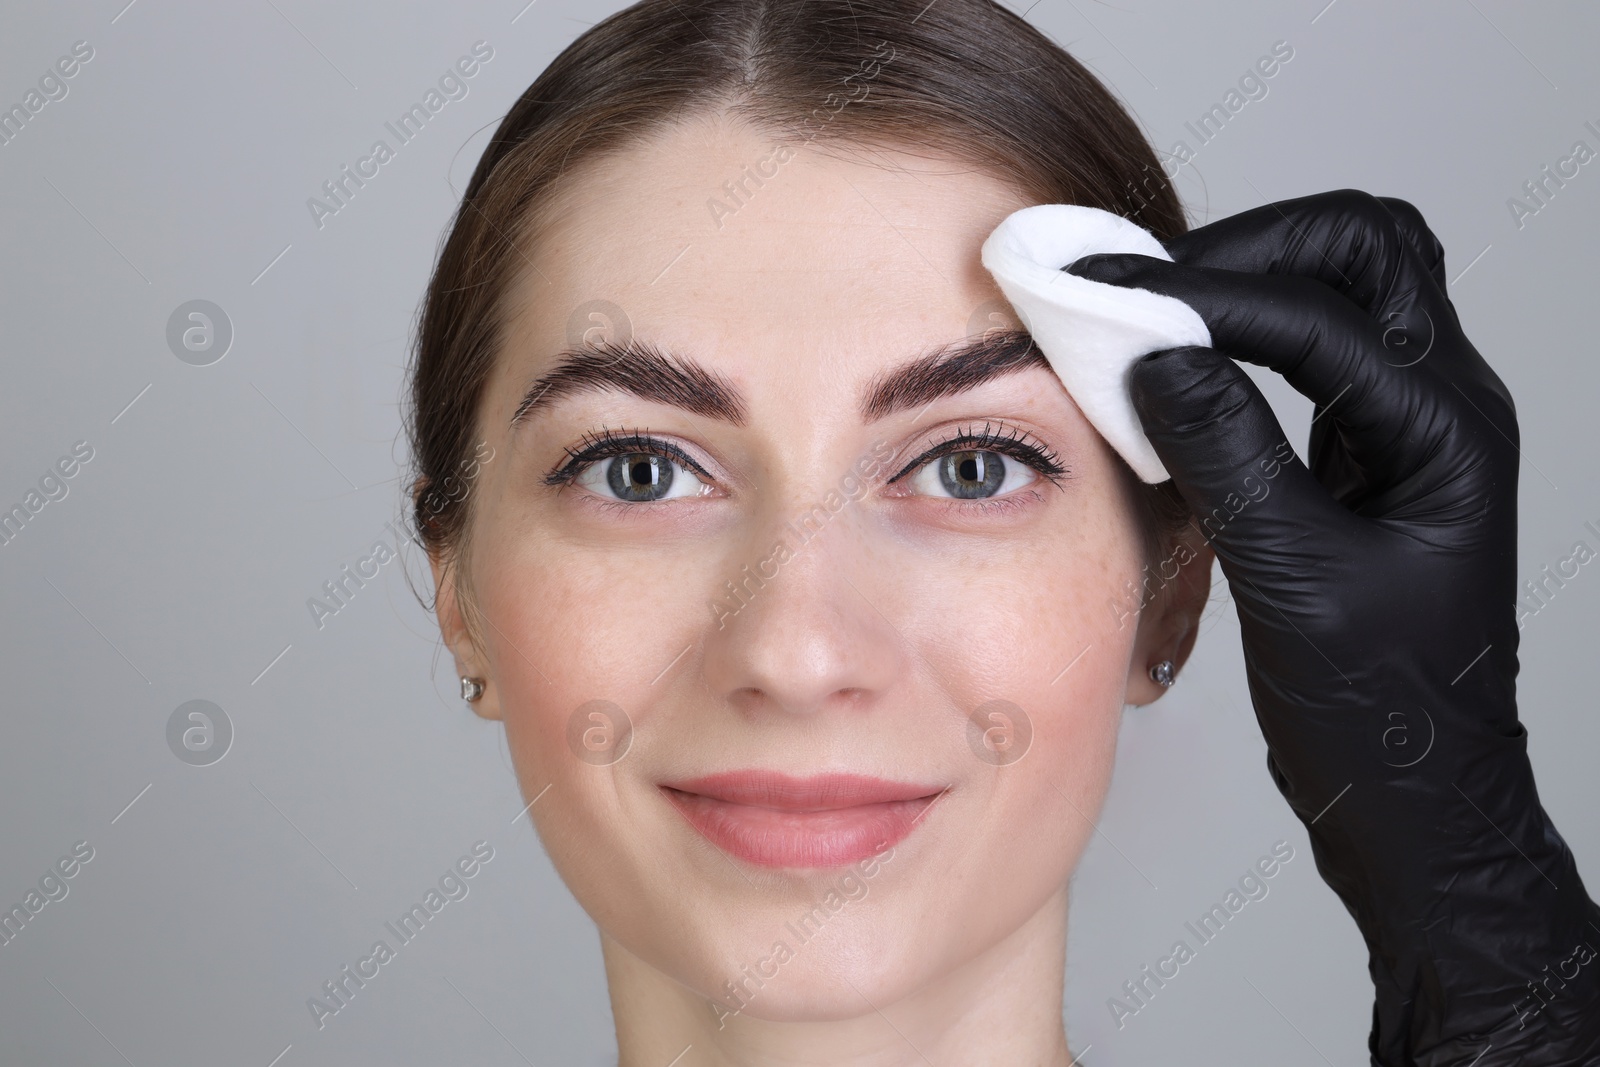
{"x": 1376, "y": 595}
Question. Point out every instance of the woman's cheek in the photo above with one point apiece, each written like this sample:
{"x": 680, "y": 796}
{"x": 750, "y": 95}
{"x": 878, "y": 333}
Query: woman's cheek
{"x": 582, "y": 639}
{"x": 1038, "y": 614}
{"x": 548, "y": 625}
{"x": 569, "y": 701}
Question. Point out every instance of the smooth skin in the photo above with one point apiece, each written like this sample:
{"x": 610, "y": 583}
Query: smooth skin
{"x": 868, "y": 650}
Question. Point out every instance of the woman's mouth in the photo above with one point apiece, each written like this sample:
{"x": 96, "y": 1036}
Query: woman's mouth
{"x": 774, "y": 820}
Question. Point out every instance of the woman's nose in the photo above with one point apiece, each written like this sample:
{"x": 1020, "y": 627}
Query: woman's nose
{"x": 806, "y": 625}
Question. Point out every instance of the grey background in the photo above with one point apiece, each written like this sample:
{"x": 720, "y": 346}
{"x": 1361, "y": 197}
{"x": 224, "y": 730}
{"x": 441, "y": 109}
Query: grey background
{"x": 177, "y": 568}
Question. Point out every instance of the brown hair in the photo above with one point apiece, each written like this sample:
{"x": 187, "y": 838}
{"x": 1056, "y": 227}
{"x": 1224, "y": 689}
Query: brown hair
{"x": 965, "y": 79}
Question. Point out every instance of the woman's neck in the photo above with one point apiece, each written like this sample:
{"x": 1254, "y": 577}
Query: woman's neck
{"x": 1000, "y": 1008}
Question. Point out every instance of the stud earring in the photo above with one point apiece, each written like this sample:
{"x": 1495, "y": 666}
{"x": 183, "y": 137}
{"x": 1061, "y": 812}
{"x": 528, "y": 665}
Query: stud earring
{"x": 471, "y": 689}
{"x": 1164, "y": 674}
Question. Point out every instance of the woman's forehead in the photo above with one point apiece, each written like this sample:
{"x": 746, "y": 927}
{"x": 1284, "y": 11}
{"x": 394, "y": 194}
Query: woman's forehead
{"x": 712, "y": 235}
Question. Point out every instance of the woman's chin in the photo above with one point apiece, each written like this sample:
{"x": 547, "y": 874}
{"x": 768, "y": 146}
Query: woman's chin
{"x": 816, "y": 982}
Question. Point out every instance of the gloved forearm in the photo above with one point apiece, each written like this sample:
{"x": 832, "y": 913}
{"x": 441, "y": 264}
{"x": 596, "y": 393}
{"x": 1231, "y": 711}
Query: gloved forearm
{"x": 1481, "y": 936}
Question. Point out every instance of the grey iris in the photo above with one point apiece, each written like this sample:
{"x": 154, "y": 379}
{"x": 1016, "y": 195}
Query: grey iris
{"x": 639, "y": 477}
{"x": 969, "y": 475}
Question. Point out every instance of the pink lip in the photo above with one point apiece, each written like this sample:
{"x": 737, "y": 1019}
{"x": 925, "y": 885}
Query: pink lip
{"x": 774, "y": 820}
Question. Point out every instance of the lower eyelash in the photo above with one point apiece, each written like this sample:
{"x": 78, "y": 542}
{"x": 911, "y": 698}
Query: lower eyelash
{"x": 623, "y": 507}
{"x": 994, "y": 505}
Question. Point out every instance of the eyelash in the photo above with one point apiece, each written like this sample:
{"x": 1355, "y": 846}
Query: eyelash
{"x": 1011, "y": 442}
{"x": 1007, "y": 441}
{"x": 608, "y": 443}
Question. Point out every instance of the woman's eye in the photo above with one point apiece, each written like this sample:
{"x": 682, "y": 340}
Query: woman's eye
{"x": 973, "y": 475}
{"x": 640, "y": 478}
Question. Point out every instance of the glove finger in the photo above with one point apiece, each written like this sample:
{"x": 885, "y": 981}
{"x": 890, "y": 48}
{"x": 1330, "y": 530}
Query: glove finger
{"x": 1394, "y": 417}
{"x": 1422, "y": 239}
{"x": 1376, "y": 252}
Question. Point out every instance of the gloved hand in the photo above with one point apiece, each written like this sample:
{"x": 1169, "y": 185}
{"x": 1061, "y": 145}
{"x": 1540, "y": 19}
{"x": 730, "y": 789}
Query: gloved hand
{"x": 1376, "y": 595}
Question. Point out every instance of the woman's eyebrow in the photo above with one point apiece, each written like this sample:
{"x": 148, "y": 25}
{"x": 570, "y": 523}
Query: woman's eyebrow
{"x": 952, "y": 368}
{"x": 640, "y": 368}
{"x": 649, "y": 373}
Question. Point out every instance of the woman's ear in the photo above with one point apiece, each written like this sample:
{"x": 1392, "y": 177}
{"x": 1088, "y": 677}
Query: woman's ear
{"x": 469, "y": 659}
{"x": 1171, "y": 622}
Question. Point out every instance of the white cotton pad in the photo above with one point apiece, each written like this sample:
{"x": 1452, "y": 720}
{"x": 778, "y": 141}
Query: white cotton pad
{"x": 1091, "y": 332}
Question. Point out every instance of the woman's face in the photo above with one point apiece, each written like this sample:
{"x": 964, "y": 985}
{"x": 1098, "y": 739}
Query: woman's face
{"x": 740, "y": 663}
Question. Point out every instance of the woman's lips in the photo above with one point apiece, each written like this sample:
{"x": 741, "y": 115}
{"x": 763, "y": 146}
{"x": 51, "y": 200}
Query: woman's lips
{"x": 774, "y": 820}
